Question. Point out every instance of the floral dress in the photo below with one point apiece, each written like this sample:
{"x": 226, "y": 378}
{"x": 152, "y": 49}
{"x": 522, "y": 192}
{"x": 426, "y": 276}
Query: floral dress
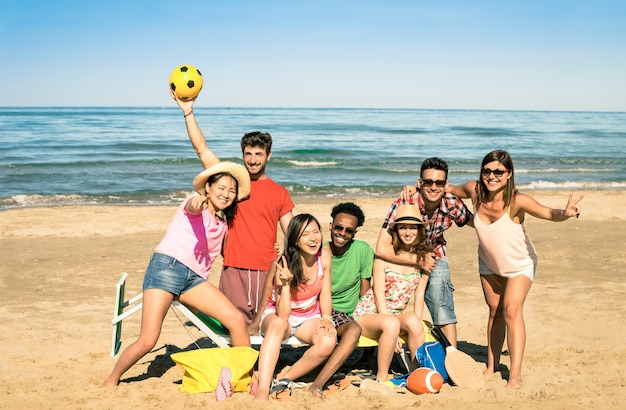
{"x": 399, "y": 287}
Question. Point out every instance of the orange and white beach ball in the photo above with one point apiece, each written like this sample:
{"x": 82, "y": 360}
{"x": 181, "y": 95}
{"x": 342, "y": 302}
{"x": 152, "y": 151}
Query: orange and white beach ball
{"x": 424, "y": 380}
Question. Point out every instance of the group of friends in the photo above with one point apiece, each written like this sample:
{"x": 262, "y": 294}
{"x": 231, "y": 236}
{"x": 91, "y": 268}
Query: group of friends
{"x": 329, "y": 294}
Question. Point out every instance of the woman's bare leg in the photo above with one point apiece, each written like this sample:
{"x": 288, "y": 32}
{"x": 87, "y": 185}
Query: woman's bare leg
{"x": 209, "y": 300}
{"x": 322, "y": 347}
{"x": 274, "y": 330}
{"x": 156, "y": 302}
{"x": 493, "y": 288}
{"x": 387, "y": 329}
{"x": 517, "y": 289}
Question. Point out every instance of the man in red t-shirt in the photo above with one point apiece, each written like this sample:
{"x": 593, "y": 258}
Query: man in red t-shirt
{"x": 249, "y": 248}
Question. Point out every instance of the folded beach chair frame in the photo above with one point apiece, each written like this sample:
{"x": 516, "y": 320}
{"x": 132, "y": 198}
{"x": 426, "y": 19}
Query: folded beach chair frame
{"x": 207, "y": 325}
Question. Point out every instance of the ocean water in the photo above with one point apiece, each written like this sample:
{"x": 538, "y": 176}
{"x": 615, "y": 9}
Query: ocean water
{"x": 88, "y": 155}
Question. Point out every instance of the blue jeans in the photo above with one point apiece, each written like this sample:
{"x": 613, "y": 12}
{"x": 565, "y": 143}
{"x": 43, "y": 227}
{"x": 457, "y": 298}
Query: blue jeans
{"x": 169, "y": 274}
{"x": 438, "y": 297}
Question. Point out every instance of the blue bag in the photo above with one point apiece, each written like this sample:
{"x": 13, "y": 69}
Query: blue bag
{"x": 432, "y": 355}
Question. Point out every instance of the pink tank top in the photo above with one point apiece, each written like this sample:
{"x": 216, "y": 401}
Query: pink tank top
{"x": 504, "y": 246}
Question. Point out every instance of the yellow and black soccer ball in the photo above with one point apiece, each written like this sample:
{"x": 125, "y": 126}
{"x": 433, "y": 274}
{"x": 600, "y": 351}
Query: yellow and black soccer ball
{"x": 186, "y": 82}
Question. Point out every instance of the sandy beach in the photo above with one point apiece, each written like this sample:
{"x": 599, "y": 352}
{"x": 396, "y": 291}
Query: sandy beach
{"x": 60, "y": 265}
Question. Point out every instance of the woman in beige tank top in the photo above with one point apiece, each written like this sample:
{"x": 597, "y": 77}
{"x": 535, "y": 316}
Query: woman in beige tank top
{"x": 507, "y": 259}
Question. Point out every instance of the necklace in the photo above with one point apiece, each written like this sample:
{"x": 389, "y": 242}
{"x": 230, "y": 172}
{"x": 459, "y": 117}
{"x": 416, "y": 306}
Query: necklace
{"x": 309, "y": 273}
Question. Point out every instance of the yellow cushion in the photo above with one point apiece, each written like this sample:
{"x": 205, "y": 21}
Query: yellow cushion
{"x": 369, "y": 342}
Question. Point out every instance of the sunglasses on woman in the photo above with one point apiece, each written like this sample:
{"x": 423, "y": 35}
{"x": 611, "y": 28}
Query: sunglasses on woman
{"x": 496, "y": 172}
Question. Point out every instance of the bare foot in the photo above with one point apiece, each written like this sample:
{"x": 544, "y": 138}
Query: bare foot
{"x": 514, "y": 383}
{"x": 109, "y": 382}
{"x": 489, "y": 372}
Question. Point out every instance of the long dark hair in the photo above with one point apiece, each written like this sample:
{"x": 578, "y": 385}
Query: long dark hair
{"x": 230, "y": 211}
{"x": 292, "y": 252}
{"x": 505, "y": 159}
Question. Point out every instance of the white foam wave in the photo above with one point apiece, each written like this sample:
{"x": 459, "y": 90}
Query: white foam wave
{"x": 573, "y": 185}
{"x": 312, "y": 163}
{"x": 36, "y": 200}
{"x": 544, "y": 171}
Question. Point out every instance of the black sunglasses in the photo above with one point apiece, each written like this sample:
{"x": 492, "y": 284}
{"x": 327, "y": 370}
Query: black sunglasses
{"x": 428, "y": 182}
{"x": 496, "y": 172}
{"x": 341, "y": 228}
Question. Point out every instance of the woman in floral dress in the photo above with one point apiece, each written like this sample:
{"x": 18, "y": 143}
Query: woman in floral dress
{"x": 381, "y": 313}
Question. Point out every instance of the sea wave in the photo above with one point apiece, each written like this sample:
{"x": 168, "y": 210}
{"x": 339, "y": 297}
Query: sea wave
{"x": 543, "y": 171}
{"x": 314, "y": 164}
{"x": 31, "y": 201}
{"x": 296, "y": 190}
{"x": 84, "y": 155}
{"x": 587, "y": 185}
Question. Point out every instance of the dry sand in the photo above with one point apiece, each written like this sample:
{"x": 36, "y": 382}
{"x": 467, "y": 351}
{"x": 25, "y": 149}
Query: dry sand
{"x": 59, "y": 266}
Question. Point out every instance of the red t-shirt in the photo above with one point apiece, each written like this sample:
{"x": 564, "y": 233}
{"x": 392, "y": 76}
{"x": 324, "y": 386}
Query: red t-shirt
{"x": 250, "y": 243}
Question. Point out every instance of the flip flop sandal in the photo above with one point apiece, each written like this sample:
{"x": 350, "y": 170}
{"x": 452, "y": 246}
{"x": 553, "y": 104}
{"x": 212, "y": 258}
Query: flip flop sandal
{"x": 224, "y": 388}
{"x": 298, "y": 385}
{"x": 282, "y": 395}
{"x": 281, "y": 389}
{"x": 336, "y": 386}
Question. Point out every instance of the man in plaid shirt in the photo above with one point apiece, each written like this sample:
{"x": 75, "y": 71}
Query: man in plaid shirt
{"x": 439, "y": 210}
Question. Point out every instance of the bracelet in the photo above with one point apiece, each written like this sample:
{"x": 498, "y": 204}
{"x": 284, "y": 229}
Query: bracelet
{"x": 329, "y": 318}
{"x": 188, "y": 114}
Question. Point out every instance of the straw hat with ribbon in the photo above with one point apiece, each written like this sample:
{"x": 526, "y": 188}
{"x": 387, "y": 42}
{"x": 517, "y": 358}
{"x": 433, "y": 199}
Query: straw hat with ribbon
{"x": 239, "y": 172}
{"x": 407, "y": 214}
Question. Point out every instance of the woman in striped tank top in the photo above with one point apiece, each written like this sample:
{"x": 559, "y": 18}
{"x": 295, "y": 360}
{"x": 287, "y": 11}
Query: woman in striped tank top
{"x": 300, "y": 306}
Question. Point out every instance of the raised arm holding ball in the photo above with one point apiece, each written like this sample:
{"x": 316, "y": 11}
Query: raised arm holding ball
{"x": 251, "y": 246}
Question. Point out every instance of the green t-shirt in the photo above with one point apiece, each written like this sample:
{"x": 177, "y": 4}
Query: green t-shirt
{"x": 347, "y": 271}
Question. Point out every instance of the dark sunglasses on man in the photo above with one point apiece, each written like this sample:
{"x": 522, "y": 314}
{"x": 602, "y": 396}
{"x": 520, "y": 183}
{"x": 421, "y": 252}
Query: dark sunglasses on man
{"x": 440, "y": 183}
{"x": 340, "y": 228}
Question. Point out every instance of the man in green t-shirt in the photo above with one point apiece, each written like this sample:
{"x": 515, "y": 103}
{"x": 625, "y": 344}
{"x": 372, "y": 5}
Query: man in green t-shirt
{"x": 351, "y": 271}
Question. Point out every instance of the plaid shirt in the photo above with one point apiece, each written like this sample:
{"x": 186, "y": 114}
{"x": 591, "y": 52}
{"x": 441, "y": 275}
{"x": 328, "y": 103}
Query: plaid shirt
{"x": 451, "y": 210}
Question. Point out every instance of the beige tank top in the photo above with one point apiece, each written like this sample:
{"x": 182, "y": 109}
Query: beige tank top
{"x": 504, "y": 246}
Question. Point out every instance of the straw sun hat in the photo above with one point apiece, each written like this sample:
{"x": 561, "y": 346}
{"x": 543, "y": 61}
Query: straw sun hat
{"x": 407, "y": 214}
{"x": 238, "y": 171}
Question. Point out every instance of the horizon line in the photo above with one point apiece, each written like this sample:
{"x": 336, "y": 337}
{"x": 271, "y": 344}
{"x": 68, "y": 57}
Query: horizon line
{"x": 317, "y": 108}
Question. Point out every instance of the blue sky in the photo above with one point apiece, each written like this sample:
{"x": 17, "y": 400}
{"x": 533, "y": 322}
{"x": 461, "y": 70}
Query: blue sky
{"x": 535, "y": 55}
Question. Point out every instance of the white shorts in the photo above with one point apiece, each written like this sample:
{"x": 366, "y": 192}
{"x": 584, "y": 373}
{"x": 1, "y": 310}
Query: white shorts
{"x": 294, "y": 321}
{"x": 529, "y": 272}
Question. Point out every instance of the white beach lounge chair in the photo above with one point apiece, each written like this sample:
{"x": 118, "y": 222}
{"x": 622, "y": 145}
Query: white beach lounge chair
{"x": 209, "y": 326}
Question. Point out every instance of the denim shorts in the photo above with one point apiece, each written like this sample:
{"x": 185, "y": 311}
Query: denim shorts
{"x": 167, "y": 273}
{"x": 438, "y": 297}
